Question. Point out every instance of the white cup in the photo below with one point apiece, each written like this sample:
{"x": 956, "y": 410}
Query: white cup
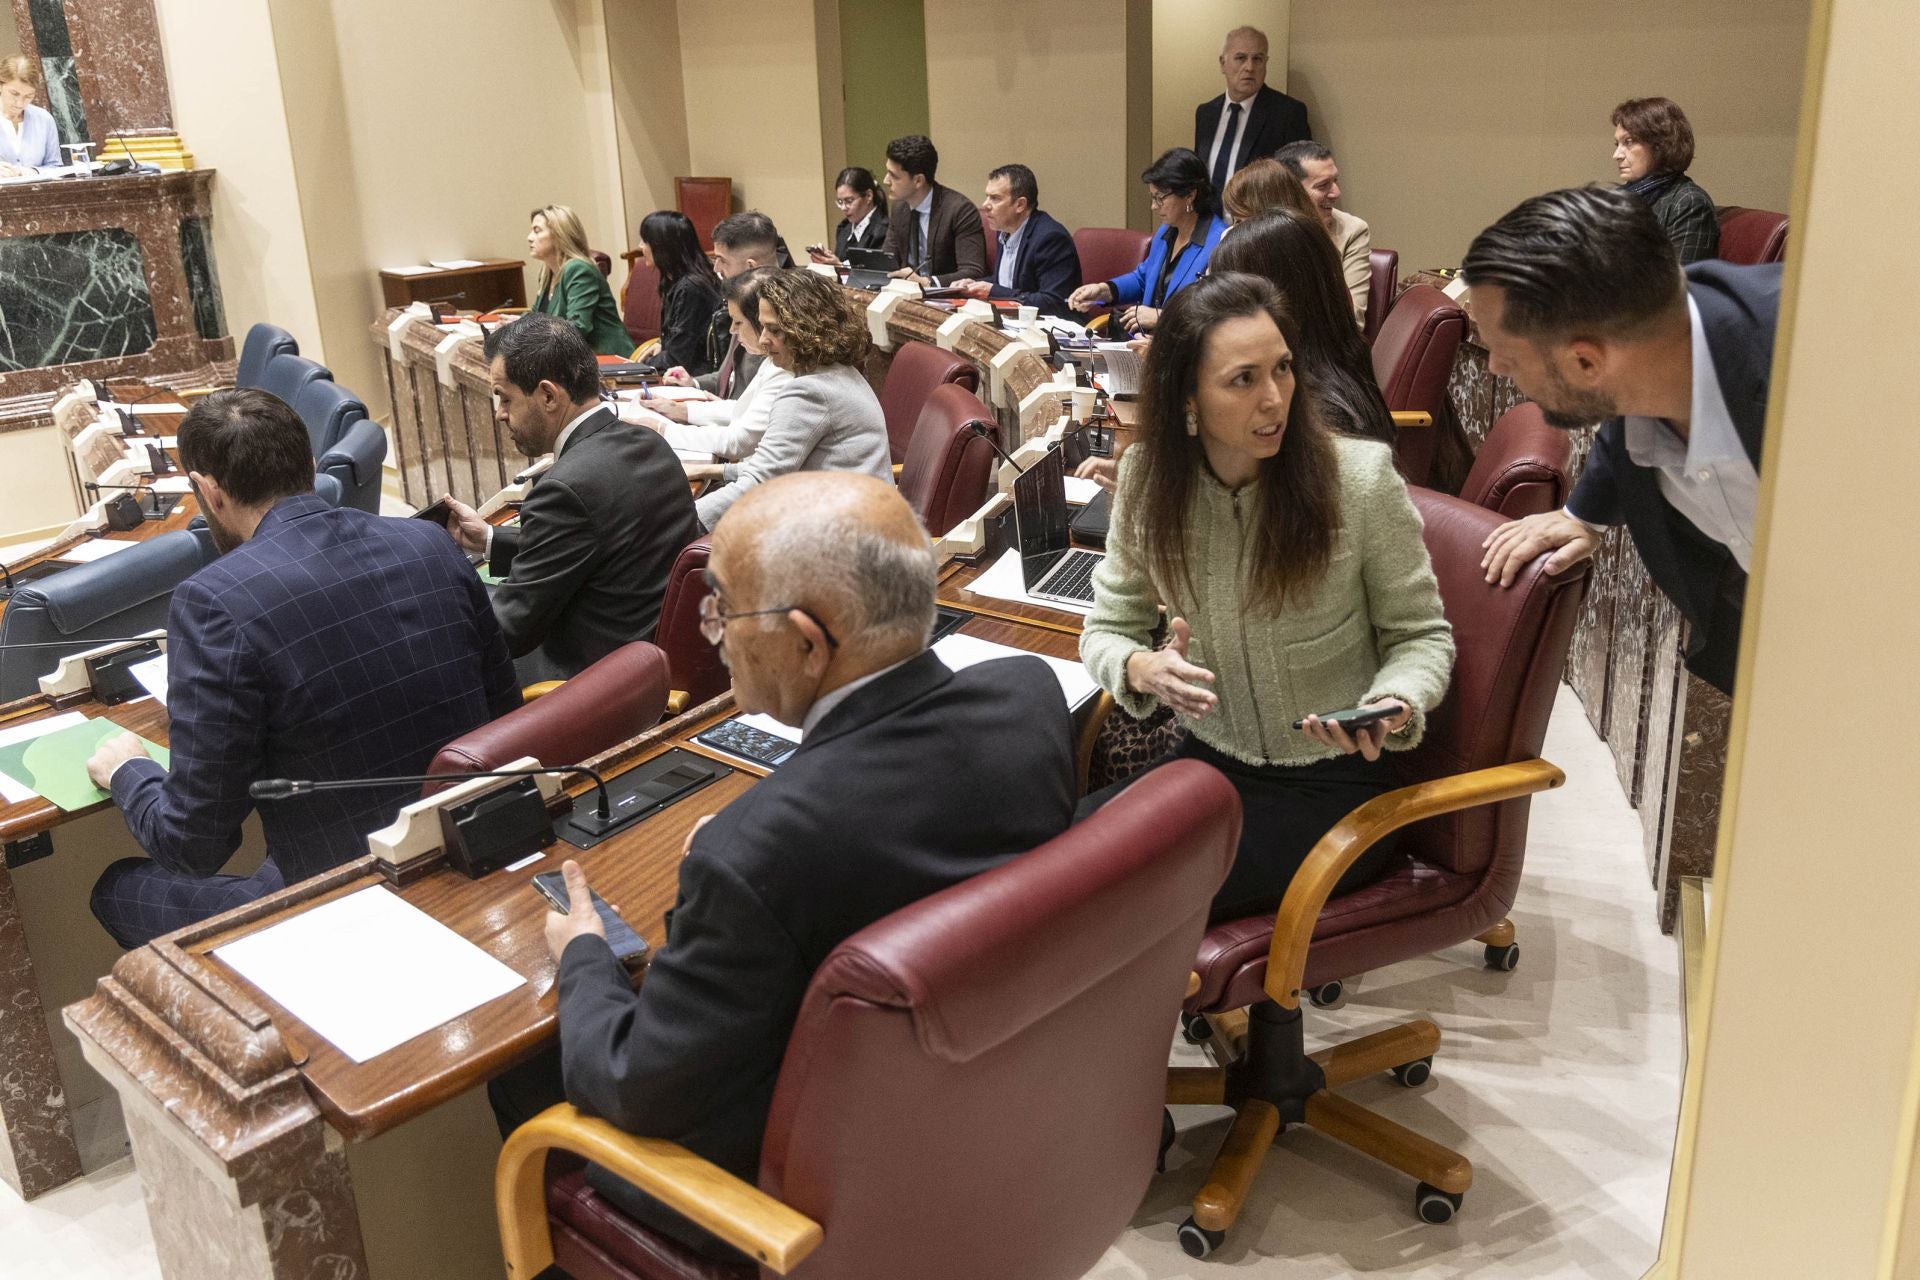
{"x": 1083, "y": 402}
{"x": 1029, "y": 314}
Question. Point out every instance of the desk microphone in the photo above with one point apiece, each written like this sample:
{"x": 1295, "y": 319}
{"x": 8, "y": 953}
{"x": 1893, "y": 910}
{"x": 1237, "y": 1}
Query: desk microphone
{"x": 162, "y": 503}
{"x": 981, "y": 431}
{"x": 80, "y": 642}
{"x": 287, "y": 788}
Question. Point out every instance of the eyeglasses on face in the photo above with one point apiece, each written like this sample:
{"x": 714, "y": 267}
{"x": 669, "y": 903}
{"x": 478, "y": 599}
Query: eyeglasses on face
{"x": 714, "y": 619}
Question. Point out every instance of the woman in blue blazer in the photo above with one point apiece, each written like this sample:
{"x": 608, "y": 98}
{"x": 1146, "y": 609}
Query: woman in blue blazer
{"x": 1185, "y": 201}
{"x": 28, "y": 138}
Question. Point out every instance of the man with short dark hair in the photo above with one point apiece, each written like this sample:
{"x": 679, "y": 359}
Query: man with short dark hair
{"x": 1038, "y": 265}
{"x": 1250, "y": 119}
{"x": 1313, "y": 163}
{"x": 325, "y": 643}
{"x": 1581, "y": 301}
{"x": 599, "y": 531}
{"x": 932, "y": 231}
{"x": 741, "y": 242}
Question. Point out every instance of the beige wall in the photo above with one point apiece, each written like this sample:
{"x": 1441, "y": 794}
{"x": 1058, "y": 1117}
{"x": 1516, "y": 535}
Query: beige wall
{"x": 1187, "y": 35}
{"x": 1445, "y": 116}
{"x": 1003, "y": 76}
{"x": 39, "y": 482}
{"x": 649, "y": 105}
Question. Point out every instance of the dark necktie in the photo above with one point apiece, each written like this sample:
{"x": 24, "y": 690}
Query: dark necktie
{"x": 1223, "y": 163}
{"x": 913, "y": 240}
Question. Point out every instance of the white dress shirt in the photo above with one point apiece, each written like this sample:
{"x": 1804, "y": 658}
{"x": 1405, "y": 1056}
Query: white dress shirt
{"x": 1220, "y": 137}
{"x": 860, "y": 227}
{"x": 1010, "y": 255}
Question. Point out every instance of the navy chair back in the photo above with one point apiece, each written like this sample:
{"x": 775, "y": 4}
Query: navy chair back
{"x": 353, "y": 462}
{"x": 264, "y": 342}
{"x": 328, "y": 410}
{"x": 287, "y": 375}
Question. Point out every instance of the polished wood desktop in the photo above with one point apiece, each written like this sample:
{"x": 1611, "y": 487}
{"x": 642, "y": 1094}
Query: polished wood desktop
{"x": 496, "y": 282}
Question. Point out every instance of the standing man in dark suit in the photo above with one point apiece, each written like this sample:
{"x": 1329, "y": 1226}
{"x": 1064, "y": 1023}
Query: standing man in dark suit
{"x": 599, "y": 530}
{"x": 1038, "y": 265}
{"x": 1249, "y": 120}
{"x": 1581, "y": 301}
{"x": 933, "y": 231}
{"x": 910, "y": 778}
{"x": 324, "y": 643}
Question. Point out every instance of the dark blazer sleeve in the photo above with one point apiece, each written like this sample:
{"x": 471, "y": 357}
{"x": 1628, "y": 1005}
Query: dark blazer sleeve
{"x": 843, "y": 238}
{"x": 683, "y": 325}
{"x": 542, "y": 563}
{"x": 497, "y": 676}
{"x": 896, "y": 241}
{"x": 1049, "y": 268}
{"x": 1596, "y": 497}
{"x": 1206, "y": 122}
{"x": 969, "y": 241}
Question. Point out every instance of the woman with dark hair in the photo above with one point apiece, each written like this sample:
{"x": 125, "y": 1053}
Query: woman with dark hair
{"x": 1652, "y": 147}
{"x": 1183, "y": 200}
{"x": 689, "y": 290}
{"x": 863, "y": 214}
{"x": 1291, "y": 564}
{"x": 1294, "y": 252}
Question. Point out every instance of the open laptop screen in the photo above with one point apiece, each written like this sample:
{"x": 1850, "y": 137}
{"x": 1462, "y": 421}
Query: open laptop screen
{"x": 1040, "y": 515}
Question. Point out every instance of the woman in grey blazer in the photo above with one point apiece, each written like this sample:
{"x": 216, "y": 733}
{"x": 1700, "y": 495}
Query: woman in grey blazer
{"x": 827, "y": 417}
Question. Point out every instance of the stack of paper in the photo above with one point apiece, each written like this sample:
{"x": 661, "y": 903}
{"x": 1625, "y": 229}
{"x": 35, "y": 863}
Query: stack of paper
{"x": 960, "y": 652}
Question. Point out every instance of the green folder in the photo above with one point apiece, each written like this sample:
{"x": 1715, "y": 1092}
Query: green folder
{"x": 55, "y": 764}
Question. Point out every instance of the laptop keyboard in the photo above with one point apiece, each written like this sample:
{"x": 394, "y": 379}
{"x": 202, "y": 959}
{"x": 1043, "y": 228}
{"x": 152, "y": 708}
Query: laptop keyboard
{"x": 1072, "y": 578}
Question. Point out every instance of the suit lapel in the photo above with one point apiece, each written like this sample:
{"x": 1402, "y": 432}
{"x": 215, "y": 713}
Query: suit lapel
{"x": 913, "y": 679}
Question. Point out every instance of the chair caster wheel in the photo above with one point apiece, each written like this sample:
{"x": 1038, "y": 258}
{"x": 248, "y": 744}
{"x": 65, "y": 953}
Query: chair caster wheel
{"x": 1434, "y": 1205}
{"x": 1411, "y": 1075}
{"x": 1166, "y": 1140}
{"x": 1195, "y": 1028}
{"x": 1196, "y": 1241}
{"x": 1327, "y": 994}
{"x": 1503, "y": 959}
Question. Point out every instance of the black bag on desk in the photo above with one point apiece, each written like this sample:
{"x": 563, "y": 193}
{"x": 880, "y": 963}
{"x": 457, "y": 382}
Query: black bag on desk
{"x": 1089, "y": 524}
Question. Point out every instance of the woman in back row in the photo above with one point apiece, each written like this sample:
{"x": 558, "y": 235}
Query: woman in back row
{"x": 571, "y": 286}
{"x": 689, "y": 289}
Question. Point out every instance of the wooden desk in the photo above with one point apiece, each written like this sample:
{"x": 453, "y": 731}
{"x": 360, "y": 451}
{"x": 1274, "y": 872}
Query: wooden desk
{"x": 497, "y": 282}
{"x": 237, "y": 1109}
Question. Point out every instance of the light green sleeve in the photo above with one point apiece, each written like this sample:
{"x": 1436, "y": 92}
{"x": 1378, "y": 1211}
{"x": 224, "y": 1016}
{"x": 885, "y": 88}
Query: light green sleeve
{"x": 1125, "y": 606}
{"x": 1403, "y": 599}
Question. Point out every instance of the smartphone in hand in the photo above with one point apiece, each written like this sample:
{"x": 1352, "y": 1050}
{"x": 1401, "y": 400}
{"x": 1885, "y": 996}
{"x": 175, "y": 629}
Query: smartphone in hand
{"x": 1351, "y": 720}
{"x": 552, "y": 885}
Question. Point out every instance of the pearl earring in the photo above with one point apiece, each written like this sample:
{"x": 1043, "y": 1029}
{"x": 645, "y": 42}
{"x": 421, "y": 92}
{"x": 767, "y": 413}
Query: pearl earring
{"x": 1193, "y": 423}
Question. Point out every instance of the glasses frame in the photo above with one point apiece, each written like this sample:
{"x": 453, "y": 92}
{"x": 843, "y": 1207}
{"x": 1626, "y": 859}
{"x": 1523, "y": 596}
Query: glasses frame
{"x": 714, "y": 619}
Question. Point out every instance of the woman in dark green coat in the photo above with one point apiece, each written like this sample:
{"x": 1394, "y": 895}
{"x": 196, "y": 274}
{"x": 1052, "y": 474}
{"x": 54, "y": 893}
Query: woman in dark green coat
{"x": 571, "y": 286}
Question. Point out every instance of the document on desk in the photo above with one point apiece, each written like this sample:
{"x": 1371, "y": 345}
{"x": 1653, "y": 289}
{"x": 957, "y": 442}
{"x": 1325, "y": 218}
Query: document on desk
{"x": 168, "y": 407}
{"x": 421, "y": 270}
{"x": 322, "y": 964}
{"x": 658, "y": 392}
{"x": 1080, "y": 492}
{"x": 454, "y": 264}
{"x": 1122, "y": 368}
{"x": 960, "y": 652}
{"x": 90, "y": 549}
{"x": 1005, "y": 581}
{"x": 54, "y": 764}
{"x": 152, "y": 675}
{"x": 19, "y": 792}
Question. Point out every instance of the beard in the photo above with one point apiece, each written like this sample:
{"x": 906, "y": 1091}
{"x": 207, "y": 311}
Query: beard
{"x": 1570, "y": 409}
{"x": 224, "y": 539}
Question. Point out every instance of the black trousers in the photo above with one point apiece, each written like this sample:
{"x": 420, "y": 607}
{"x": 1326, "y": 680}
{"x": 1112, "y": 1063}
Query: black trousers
{"x": 1284, "y": 809}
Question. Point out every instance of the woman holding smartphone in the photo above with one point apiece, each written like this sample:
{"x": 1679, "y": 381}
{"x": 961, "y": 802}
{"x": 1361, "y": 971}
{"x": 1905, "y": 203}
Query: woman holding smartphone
{"x": 1293, "y": 572}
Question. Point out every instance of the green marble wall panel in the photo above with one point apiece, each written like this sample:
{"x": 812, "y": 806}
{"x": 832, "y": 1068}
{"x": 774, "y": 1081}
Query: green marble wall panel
{"x": 203, "y": 281}
{"x": 58, "y": 69}
{"x": 72, "y": 296}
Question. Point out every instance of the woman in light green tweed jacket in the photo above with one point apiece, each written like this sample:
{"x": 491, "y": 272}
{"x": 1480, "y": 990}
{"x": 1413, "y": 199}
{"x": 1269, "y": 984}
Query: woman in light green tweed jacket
{"x": 1292, "y": 567}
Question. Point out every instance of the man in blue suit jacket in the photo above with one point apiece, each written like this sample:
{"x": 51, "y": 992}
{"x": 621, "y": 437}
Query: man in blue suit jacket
{"x": 1581, "y": 301}
{"x": 1037, "y": 264}
{"x": 324, "y": 643}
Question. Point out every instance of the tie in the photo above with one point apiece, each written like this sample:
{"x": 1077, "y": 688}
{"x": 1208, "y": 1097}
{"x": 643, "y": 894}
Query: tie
{"x": 1223, "y": 163}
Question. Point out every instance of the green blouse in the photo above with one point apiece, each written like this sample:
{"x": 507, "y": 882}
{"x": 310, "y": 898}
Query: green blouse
{"x": 583, "y": 297}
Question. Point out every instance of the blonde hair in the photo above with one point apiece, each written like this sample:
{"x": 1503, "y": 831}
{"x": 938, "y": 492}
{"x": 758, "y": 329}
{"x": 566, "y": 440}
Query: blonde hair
{"x": 1266, "y": 184}
{"x": 563, "y": 224}
{"x": 20, "y": 67}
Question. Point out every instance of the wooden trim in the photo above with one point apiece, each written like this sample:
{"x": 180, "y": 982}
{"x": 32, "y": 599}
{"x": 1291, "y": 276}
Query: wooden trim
{"x": 1693, "y": 951}
{"x": 1389, "y": 1142}
{"x": 777, "y": 1237}
{"x": 1087, "y": 739}
{"x": 1501, "y": 935}
{"x": 1412, "y": 418}
{"x": 1359, "y": 831}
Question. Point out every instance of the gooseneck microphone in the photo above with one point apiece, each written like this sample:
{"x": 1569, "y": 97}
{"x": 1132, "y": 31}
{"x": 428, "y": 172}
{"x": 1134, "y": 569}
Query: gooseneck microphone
{"x": 287, "y": 788}
{"x": 981, "y": 431}
{"x": 79, "y": 642}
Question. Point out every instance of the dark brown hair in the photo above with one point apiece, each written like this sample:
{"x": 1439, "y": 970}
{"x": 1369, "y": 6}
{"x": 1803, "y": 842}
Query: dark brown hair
{"x": 1266, "y": 184}
{"x": 1662, "y": 125}
{"x": 1294, "y": 252}
{"x": 1297, "y": 505}
{"x": 251, "y": 442}
{"x": 822, "y": 328}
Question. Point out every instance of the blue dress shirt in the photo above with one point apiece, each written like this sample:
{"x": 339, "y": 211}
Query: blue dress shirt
{"x": 35, "y": 144}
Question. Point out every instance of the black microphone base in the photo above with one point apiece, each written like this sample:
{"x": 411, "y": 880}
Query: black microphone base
{"x": 666, "y": 779}
{"x": 484, "y": 834}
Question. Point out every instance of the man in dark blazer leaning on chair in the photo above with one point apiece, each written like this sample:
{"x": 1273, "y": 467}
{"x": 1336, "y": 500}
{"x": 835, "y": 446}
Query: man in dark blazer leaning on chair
{"x": 1250, "y": 119}
{"x": 1038, "y": 265}
{"x": 599, "y": 530}
{"x": 1581, "y": 301}
{"x": 933, "y": 231}
{"x": 910, "y": 778}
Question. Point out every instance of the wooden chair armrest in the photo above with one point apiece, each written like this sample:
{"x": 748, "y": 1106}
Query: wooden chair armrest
{"x": 529, "y": 692}
{"x": 1412, "y": 418}
{"x": 511, "y": 311}
{"x": 187, "y": 395}
{"x": 676, "y": 701}
{"x": 898, "y": 467}
{"x": 628, "y": 256}
{"x": 1099, "y": 323}
{"x": 739, "y": 1213}
{"x": 1090, "y": 734}
{"x": 1359, "y": 831}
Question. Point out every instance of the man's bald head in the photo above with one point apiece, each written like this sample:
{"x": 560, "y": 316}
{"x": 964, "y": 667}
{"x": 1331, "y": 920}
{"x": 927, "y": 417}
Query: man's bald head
{"x": 1253, "y": 37}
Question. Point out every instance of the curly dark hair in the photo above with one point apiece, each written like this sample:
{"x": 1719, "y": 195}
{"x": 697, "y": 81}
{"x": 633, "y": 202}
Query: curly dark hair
{"x": 822, "y": 328}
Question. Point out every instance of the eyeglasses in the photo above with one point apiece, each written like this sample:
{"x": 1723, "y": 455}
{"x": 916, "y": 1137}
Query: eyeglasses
{"x": 843, "y": 203}
{"x": 1158, "y": 198}
{"x": 714, "y": 619}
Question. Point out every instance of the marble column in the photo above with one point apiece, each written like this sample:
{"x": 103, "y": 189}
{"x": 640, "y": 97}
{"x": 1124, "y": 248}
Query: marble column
{"x": 37, "y": 1151}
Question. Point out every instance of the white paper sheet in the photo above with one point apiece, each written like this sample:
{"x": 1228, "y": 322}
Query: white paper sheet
{"x": 19, "y": 792}
{"x": 1004, "y": 581}
{"x": 453, "y": 264}
{"x": 1080, "y": 492}
{"x": 657, "y": 392}
{"x": 767, "y": 724}
{"x": 411, "y": 271}
{"x": 960, "y": 652}
{"x": 321, "y": 964}
{"x": 1122, "y": 368}
{"x": 692, "y": 455}
{"x": 172, "y": 484}
{"x": 152, "y": 675}
{"x": 88, "y": 550}
{"x": 169, "y": 407}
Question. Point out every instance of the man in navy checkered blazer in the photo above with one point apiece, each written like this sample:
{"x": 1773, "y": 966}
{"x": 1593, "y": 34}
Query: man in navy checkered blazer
{"x": 324, "y": 643}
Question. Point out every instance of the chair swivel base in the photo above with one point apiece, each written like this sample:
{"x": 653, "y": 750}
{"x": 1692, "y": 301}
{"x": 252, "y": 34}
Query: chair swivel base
{"x": 1277, "y": 1083}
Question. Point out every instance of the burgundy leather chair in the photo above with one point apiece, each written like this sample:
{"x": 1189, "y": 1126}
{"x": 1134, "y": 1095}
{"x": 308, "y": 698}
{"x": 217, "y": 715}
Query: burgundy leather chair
{"x": 619, "y": 697}
{"x": 1383, "y": 275}
{"x": 1458, "y": 871}
{"x": 640, "y": 300}
{"x": 1107, "y": 252}
{"x": 604, "y": 261}
{"x": 917, "y": 368}
{"x": 1412, "y": 359}
{"x": 1751, "y": 236}
{"x": 694, "y": 668}
{"x": 1024, "y": 1010}
{"x": 705, "y": 201}
{"x": 1521, "y": 469}
{"x": 948, "y": 465}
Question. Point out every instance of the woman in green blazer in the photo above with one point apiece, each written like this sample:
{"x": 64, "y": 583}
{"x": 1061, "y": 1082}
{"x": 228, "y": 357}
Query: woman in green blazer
{"x": 571, "y": 286}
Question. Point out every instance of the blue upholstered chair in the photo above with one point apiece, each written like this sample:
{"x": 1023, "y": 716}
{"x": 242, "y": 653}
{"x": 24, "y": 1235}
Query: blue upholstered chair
{"x": 287, "y": 376}
{"x": 328, "y": 410}
{"x": 123, "y": 594}
{"x": 264, "y": 342}
{"x": 328, "y": 487}
{"x": 353, "y": 462}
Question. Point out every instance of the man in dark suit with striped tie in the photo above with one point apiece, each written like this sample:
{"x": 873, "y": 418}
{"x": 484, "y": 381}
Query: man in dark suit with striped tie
{"x": 1250, "y": 119}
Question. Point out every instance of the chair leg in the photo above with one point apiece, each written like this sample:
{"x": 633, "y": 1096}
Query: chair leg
{"x": 1196, "y": 1086}
{"x": 1220, "y": 1201}
{"x": 1381, "y": 1051}
{"x": 1391, "y": 1144}
{"x": 1502, "y": 953}
{"x": 1501, "y": 935}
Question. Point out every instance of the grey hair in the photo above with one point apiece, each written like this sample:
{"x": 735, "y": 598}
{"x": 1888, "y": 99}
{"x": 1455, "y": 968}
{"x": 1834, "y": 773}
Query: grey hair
{"x": 879, "y": 590}
{"x": 1227, "y": 43}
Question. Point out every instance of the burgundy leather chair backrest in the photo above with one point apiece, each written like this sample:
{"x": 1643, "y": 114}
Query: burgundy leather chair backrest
{"x": 993, "y": 243}
{"x": 705, "y": 201}
{"x": 1383, "y": 274}
{"x": 618, "y": 697}
{"x": 1751, "y": 236}
{"x": 1412, "y": 359}
{"x": 604, "y": 261}
{"x": 1511, "y": 646}
{"x": 693, "y": 665}
{"x": 1521, "y": 469}
{"x": 640, "y": 302}
{"x": 948, "y": 466}
{"x": 1022, "y": 1011}
{"x": 1106, "y": 252}
{"x": 917, "y": 368}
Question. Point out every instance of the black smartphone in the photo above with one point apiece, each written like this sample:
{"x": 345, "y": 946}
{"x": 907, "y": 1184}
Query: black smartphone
{"x": 435, "y": 511}
{"x": 1351, "y": 720}
{"x": 552, "y": 885}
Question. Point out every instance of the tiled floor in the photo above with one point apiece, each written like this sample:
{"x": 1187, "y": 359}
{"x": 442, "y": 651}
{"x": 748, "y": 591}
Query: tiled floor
{"x": 1560, "y": 1081}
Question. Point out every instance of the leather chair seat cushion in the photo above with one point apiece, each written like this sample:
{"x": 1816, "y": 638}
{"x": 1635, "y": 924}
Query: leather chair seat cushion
{"x": 594, "y": 1240}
